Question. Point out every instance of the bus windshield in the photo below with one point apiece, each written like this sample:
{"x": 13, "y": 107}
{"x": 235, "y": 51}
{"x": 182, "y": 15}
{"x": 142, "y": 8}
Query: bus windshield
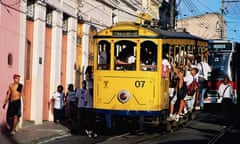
{"x": 219, "y": 63}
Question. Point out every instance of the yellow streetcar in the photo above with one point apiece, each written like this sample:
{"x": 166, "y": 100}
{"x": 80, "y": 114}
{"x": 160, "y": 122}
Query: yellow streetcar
{"x": 129, "y": 77}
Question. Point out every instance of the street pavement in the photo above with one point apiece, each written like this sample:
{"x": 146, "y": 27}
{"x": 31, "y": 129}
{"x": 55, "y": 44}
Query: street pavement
{"x": 35, "y": 134}
{"x": 49, "y": 131}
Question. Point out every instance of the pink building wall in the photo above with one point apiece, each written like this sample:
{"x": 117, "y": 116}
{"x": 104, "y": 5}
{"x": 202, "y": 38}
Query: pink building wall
{"x": 9, "y": 45}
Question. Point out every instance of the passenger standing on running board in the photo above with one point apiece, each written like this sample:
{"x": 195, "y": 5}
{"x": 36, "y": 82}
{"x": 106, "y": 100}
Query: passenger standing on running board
{"x": 181, "y": 89}
{"x": 204, "y": 70}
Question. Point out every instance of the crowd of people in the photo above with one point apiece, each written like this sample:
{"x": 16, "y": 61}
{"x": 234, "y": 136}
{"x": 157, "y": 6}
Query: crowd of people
{"x": 188, "y": 85}
{"x": 187, "y": 89}
{"x": 76, "y": 106}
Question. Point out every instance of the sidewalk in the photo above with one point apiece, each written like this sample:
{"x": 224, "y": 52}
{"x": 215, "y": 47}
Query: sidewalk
{"x": 35, "y": 134}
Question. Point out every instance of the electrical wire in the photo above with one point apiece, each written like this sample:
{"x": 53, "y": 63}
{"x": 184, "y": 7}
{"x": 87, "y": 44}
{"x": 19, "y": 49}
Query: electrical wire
{"x": 202, "y": 20}
{"x": 13, "y": 8}
{"x": 231, "y": 11}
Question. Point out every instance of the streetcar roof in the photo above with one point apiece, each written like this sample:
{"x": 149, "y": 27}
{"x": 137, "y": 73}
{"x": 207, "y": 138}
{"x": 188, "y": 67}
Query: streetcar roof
{"x": 173, "y": 34}
{"x": 158, "y": 33}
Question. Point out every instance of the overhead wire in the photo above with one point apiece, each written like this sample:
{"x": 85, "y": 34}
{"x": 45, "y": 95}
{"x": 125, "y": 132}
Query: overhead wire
{"x": 233, "y": 10}
{"x": 13, "y": 8}
{"x": 198, "y": 13}
{"x": 202, "y": 20}
{"x": 15, "y": 3}
{"x": 25, "y": 12}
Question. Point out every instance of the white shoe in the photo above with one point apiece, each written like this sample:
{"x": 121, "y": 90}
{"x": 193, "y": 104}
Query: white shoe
{"x": 89, "y": 135}
{"x": 197, "y": 107}
{"x": 177, "y": 118}
{"x": 95, "y": 135}
{"x": 224, "y": 126}
{"x": 171, "y": 117}
{"x": 13, "y": 133}
{"x": 90, "y": 132}
{"x": 181, "y": 115}
{"x": 87, "y": 132}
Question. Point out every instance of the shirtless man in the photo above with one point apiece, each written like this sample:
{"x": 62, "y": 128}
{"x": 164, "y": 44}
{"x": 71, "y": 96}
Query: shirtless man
{"x": 14, "y": 94}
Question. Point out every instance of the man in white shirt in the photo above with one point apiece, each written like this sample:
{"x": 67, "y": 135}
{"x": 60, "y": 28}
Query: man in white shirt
{"x": 58, "y": 103}
{"x": 225, "y": 92}
{"x": 204, "y": 70}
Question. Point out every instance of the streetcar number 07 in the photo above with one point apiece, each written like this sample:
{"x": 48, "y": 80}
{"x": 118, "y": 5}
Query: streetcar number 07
{"x": 139, "y": 84}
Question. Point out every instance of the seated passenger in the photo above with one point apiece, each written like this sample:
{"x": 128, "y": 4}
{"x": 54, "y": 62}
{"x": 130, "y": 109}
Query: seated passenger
{"x": 103, "y": 56}
{"x": 131, "y": 59}
{"x": 119, "y": 61}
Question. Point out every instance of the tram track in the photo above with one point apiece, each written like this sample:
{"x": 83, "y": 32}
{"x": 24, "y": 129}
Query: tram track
{"x": 143, "y": 138}
{"x": 197, "y": 131}
{"x": 216, "y": 138}
{"x": 140, "y": 136}
{"x": 205, "y": 129}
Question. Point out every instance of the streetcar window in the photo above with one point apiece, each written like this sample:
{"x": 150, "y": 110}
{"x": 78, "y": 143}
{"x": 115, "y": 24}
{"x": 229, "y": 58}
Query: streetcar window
{"x": 103, "y": 55}
{"x": 148, "y": 56}
{"x": 125, "y": 55}
{"x": 165, "y": 61}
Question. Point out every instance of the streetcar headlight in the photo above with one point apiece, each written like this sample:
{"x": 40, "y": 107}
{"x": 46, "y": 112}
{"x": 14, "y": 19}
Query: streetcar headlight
{"x": 123, "y": 96}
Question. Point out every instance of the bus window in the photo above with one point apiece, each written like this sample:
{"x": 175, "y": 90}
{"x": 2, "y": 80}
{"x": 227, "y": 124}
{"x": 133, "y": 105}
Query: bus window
{"x": 103, "y": 56}
{"x": 125, "y": 56}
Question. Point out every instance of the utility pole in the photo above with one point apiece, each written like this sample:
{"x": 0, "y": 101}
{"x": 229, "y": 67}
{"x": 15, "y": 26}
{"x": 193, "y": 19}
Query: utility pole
{"x": 222, "y": 21}
{"x": 172, "y": 15}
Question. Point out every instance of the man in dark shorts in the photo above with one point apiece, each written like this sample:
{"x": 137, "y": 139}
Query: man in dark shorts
{"x": 13, "y": 98}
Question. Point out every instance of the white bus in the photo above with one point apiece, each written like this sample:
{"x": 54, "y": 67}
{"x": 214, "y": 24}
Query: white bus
{"x": 224, "y": 59}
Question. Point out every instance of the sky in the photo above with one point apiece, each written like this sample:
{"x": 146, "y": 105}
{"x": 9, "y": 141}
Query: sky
{"x": 189, "y": 8}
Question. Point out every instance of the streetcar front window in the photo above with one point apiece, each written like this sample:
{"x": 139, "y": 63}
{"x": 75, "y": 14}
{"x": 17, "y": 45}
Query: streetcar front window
{"x": 103, "y": 55}
{"x": 125, "y": 55}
